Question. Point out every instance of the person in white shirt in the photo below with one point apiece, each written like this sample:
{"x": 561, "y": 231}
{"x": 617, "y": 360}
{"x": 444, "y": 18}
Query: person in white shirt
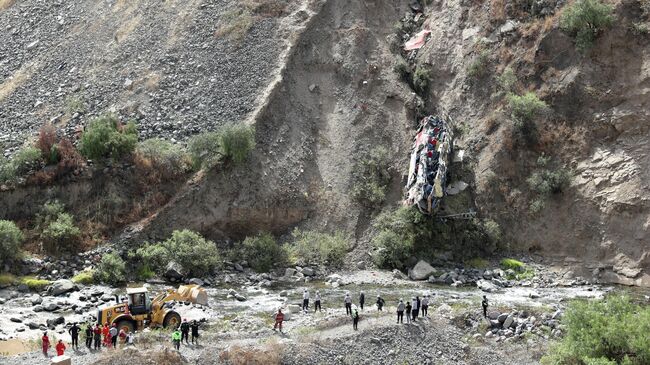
{"x": 400, "y": 311}
{"x": 305, "y": 300}
{"x": 414, "y": 310}
{"x": 348, "y": 304}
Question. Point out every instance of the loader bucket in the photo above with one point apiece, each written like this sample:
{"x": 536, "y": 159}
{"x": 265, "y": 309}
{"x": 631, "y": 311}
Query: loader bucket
{"x": 193, "y": 293}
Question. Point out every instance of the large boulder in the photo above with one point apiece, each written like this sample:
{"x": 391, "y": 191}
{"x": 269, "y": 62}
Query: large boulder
{"x": 61, "y": 286}
{"x": 175, "y": 271}
{"x": 486, "y": 286}
{"x": 421, "y": 271}
{"x": 308, "y": 271}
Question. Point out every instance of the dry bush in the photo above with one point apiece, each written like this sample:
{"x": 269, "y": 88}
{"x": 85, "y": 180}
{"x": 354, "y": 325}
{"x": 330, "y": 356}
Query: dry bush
{"x": 268, "y": 355}
{"x": 574, "y": 139}
{"x": 267, "y": 8}
{"x": 46, "y": 140}
{"x": 498, "y": 11}
{"x": 70, "y": 160}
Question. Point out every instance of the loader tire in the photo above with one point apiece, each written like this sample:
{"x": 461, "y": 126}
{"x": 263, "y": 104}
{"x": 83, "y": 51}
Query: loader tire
{"x": 172, "y": 320}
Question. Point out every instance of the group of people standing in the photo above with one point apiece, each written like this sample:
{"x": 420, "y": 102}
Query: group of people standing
{"x": 412, "y": 308}
{"x": 94, "y": 336}
{"x": 182, "y": 334}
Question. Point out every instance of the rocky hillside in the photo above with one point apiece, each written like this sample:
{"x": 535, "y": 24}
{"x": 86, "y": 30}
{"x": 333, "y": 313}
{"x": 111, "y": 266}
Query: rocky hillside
{"x": 317, "y": 79}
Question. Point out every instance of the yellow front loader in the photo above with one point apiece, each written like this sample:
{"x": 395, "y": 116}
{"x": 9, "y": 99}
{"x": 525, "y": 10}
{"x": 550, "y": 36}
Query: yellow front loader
{"x": 141, "y": 311}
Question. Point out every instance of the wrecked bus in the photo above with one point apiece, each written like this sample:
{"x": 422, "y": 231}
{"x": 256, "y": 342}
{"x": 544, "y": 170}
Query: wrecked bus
{"x": 432, "y": 148}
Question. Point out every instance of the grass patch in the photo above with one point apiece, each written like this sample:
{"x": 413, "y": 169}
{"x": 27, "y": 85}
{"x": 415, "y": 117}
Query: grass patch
{"x": 521, "y": 270}
{"x": 35, "y": 284}
{"x": 513, "y": 264}
{"x": 85, "y": 277}
{"x": 7, "y": 279}
{"x": 235, "y": 24}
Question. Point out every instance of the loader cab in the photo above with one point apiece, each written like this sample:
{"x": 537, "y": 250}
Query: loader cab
{"x": 139, "y": 301}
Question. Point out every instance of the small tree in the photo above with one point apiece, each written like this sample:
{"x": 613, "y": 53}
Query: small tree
{"x": 524, "y": 109}
{"x": 61, "y": 234}
{"x": 11, "y": 239}
{"x": 313, "y": 247}
{"x": 111, "y": 269}
{"x": 393, "y": 250}
{"x": 262, "y": 252}
{"x": 196, "y": 254}
{"x": 421, "y": 79}
{"x": 585, "y": 20}
{"x": 371, "y": 178}
{"x": 105, "y": 137}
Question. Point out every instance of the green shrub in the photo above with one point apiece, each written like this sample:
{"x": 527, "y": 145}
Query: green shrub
{"x": 7, "y": 170}
{"x": 639, "y": 28}
{"x": 61, "y": 233}
{"x": 262, "y": 252}
{"x": 166, "y": 157}
{"x": 493, "y": 230}
{"x": 513, "y": 264}
{"x": 526, "y": 107}
{"x": 49, "y": 213}
{"x": 11, "y": 240}
{"x": 479, "y": 67}
{"x": 145, "y": 273}
{"x": 315, "y": 248}
{"x": 35, "y": 284}
{"x": 196, "y": 254}
{"x": 25, "y": 160}
{"x": 585, "y": 20}
{"x": 547, "y": 182}
{"x": 403, "y": 70}
{"x": 111, "y": 269}
{"x": 537, "y": 206}
{"x": 507, "y": 79}
{"x": 205, "y": 150}
{"x": 611, "y": 331}
{"x": 421, "y": 79}
{"x": 237, "y": 141}
{"x": 393, "y": 250}
{"x": 371, "y": 178}
{"x": 86, "y": 277}
{"x": 105, "y": 137}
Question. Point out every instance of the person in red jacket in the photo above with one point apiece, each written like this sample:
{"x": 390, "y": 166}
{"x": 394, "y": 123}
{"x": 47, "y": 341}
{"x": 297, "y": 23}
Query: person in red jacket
{"x": 46, "y": 343}
{"x": 279, "y": 318}
{"x": 60, "y": 348}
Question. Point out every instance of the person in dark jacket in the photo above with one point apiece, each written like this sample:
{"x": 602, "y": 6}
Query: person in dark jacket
{"x": 414, "y": 308}
{"x": 89, "y": 336}
{"x": 485, "y": 304}
{"x": 185, "y": 332}
{"x": 380, "y": 303}
{"x": 97, "y": 331}
{"x": 74, "y": 333}
{"x": 195, "y": 332}
{"x": 355, "y": 319}
{"x": 408, "y": 311}
{"x": 362, "y": 299}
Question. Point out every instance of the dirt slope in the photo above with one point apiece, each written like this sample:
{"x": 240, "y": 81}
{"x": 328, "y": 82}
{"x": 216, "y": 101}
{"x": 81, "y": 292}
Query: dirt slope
{"x": 337, "y": 98}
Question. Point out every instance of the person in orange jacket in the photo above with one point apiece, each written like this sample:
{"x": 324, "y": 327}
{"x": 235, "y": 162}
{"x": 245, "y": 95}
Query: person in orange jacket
{"x": 106, "y": 334}
{"x": 46, "y": 343}
{"x": 60, "y": 348}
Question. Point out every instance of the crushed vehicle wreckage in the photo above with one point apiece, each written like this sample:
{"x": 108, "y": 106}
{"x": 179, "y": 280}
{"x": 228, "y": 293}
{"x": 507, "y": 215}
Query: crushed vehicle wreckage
{"x": 428, "y": 168}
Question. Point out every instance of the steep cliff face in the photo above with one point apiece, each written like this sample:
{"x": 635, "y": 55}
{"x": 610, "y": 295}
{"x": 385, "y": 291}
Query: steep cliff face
{"x": 596, "y": 127}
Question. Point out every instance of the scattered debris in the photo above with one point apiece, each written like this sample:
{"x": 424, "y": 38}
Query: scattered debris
{"x": 417, "y": 41}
